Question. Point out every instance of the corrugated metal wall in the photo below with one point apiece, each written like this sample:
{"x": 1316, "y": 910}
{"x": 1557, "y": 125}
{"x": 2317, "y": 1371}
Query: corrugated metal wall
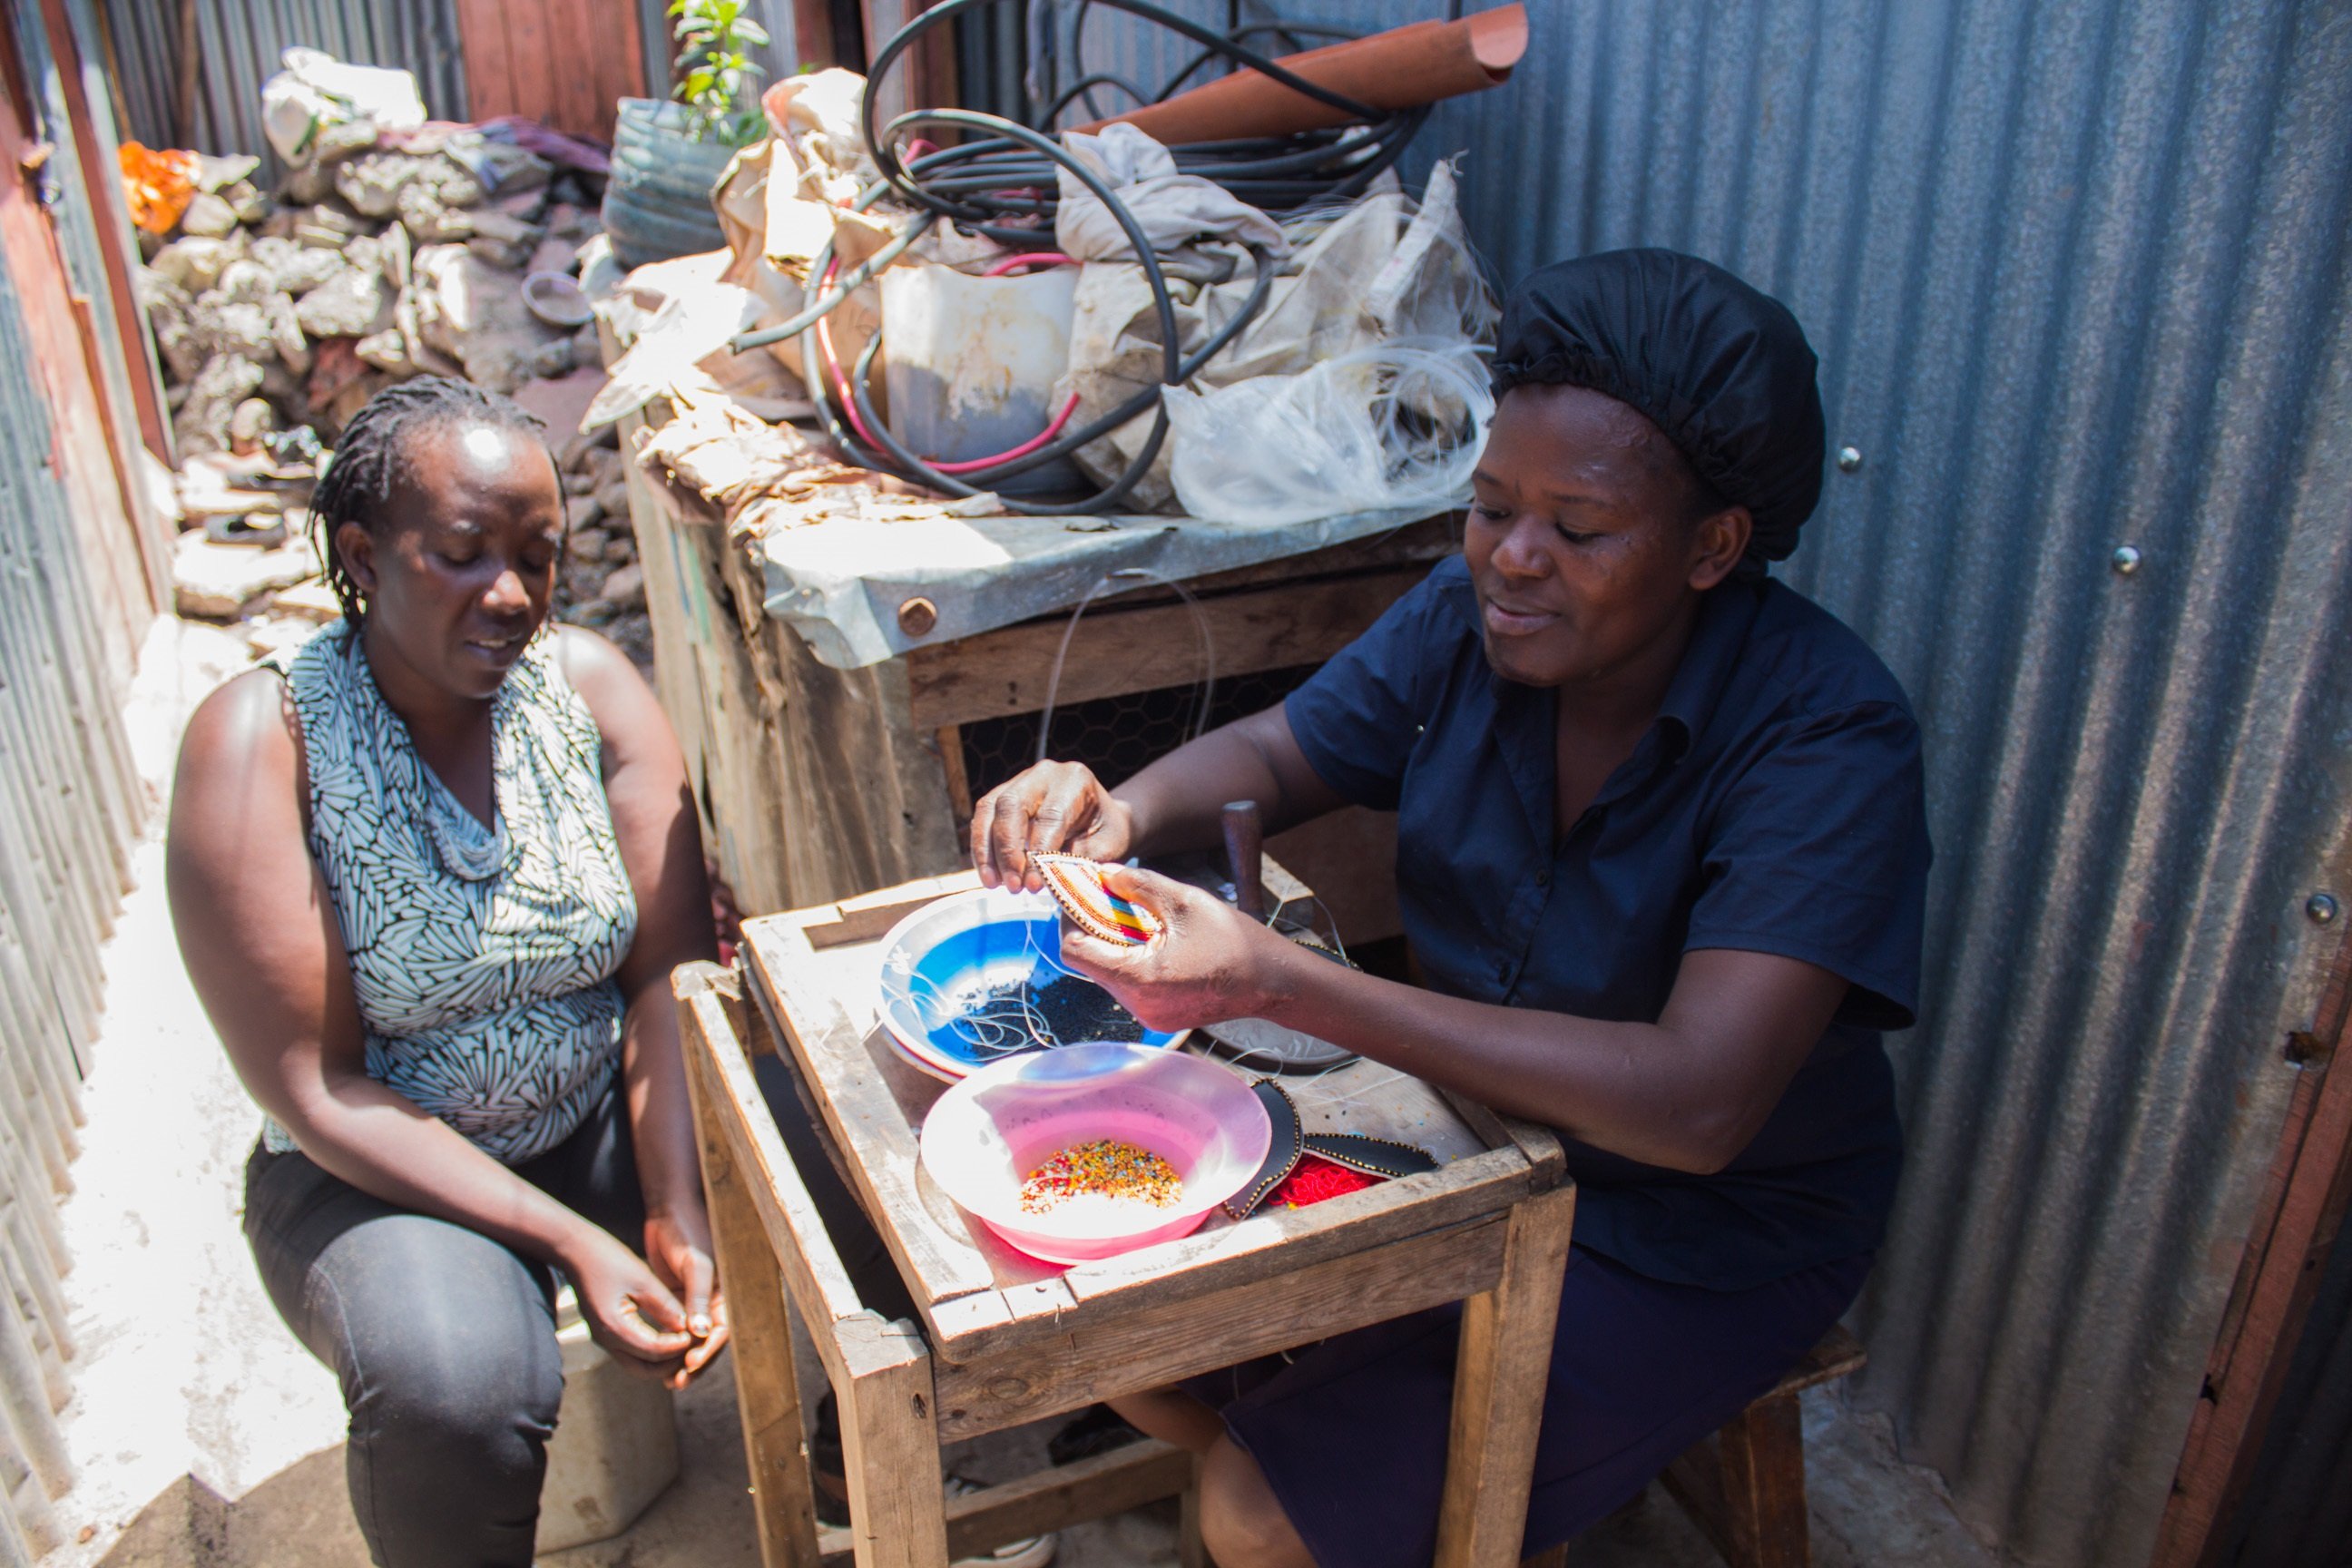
{"x": 76, "y": 581}
{"x": 2078, "y": 277}
{"x": 242, "y": 40}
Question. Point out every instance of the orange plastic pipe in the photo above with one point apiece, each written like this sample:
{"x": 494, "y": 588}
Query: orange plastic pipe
{"x": 1403, "y": 68}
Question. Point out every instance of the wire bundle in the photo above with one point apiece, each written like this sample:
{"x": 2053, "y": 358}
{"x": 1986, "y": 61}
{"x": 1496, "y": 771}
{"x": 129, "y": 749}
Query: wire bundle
{"x": 1003, "y": 180}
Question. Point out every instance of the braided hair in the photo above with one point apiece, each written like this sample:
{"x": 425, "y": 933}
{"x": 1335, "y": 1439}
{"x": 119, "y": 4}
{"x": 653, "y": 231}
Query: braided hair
{"x": 376, "y": 453}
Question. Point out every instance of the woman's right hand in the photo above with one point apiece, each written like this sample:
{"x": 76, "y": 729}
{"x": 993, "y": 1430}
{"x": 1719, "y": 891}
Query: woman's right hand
{"x": 1054, "y": 807}
{"x": 629, "y": 1311}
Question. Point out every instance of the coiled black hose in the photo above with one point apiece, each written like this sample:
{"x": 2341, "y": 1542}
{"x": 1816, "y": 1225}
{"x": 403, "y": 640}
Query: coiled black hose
{"x": 1004, "y": 183}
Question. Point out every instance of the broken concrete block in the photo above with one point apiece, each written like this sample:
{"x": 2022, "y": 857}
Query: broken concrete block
{"x": 214, "y": 173}
{"x": 371, "y": 181}
{"x": 344, "y": 139}
{"x": 167, "y": 305}
{"x": 587, "y": 543}
{"x": 329, "y": 226}
{"x": 583, "y": 513}
{"x": 561, "y": 402}
{"x": 387, "y": 351}
{"x": 217, "y": 582}
{"x": 354, "y": 303}
{"x": 246, "y": 425}
{"x": 244, "y": 199}
{"x": 195, "y": 265}
{"x": 208, "y": 217}
{"x": 312, "y": 601}
{"x": 234, "y": 327}
{"x": 613, "y": 497}
{"x": 622, "y": 548}
{"x": 202, "y": 422}
{"x": 306, "y": 186}
{"x": 295, "y": 269}
{"x": 286, "y": 327}
{"x": 625, "y": 589}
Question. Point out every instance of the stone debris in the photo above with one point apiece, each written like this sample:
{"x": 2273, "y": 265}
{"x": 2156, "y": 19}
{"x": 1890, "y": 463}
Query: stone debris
{"x": 221, "y": 581}
{"x": 277, "y": 315}
{"x": 247, "y": 298}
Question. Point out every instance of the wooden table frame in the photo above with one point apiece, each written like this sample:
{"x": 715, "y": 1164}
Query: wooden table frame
{"x": 998, "y": 1346}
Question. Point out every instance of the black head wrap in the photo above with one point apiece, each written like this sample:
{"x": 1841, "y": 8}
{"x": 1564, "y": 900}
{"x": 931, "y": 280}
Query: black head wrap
{"x": 1724, "y": 370}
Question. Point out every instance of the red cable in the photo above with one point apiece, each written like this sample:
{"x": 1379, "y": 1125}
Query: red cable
{"x": 1031, "y": 258}
{"x": 849, "y": 403}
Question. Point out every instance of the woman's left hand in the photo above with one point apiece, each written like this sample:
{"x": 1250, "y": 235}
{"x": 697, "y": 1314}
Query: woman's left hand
{"x": 678, "y": 1247}
{"x": 1210, "y": 961}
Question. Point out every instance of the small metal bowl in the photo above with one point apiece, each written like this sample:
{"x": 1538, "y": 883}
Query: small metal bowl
{"x": 556, "y": 298}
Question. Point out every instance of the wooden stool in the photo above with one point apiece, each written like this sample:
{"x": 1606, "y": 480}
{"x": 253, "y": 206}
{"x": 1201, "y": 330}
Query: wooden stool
{"x": 1745, "y": 1486}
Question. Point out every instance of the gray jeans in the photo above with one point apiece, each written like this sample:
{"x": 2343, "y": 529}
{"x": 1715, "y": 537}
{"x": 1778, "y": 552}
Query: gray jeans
{"x": 444, "y": 1342}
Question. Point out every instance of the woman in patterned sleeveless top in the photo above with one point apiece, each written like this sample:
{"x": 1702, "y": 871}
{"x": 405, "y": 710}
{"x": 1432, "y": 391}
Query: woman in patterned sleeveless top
{"x": 430, "y": 875}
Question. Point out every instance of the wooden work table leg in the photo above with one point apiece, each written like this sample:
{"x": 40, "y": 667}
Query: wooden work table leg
{"x": 767, "y": 1389}
{"x": 889, "y": 1427}
{"x": 1499, "y": 1379}
{"x": 1763, "y": 1453}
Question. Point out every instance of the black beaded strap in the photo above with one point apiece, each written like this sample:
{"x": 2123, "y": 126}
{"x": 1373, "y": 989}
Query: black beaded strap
{"x": 1373, "y": 1156}
{"x": 1282, "y": 1152}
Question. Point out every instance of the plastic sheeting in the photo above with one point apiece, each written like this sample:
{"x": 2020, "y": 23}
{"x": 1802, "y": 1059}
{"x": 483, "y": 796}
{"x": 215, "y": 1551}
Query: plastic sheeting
{"x": 840, "y": 584}
{"x": 2077, "y": 277}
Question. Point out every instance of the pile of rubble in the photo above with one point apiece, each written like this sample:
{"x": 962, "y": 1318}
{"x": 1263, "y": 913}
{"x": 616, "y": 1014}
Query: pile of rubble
{"x": 387, "y": 256}
{"x": 375, "y": 263}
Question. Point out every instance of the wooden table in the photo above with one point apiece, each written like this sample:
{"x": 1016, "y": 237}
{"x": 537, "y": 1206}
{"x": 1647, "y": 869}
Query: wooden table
{"x": 1005, "y": 1340}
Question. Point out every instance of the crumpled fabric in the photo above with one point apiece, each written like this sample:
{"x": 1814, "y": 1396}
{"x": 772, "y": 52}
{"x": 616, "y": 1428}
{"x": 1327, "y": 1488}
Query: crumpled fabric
{"x": 1173, "y": 210}
{"x": 1722, "y": 368}
{"x": 1383, "y": 269}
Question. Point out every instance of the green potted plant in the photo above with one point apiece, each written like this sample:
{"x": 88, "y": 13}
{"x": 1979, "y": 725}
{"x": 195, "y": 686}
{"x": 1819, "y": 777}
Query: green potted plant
{"x": 668, "y": 154}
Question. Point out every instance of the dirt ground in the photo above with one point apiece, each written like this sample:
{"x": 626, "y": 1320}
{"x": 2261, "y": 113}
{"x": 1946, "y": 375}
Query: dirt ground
{"x": 205, "y": 1438}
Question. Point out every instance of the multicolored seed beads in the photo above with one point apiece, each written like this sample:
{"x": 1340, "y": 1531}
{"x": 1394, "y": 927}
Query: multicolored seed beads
{"x": 1107, "y": 1168}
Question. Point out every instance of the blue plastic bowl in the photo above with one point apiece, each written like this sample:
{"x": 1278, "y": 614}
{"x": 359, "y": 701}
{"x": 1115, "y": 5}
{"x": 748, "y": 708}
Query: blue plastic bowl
{"x": 953, "y": 949}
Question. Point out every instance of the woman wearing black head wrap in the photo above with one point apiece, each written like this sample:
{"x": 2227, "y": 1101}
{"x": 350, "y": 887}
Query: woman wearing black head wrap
{"x": 1662, "y": 856}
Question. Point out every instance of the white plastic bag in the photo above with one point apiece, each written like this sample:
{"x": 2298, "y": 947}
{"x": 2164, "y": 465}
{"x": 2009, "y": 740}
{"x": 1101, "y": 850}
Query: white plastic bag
{"x": 1395, "y": 425}
{"x": 316, "y": 90}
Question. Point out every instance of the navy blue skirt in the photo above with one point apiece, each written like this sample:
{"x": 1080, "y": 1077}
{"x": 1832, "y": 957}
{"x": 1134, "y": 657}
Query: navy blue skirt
{"x": 1351, "y": 1433}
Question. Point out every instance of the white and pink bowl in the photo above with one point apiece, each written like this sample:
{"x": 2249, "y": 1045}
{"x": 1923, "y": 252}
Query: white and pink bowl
{"x": 989, "y": 1131}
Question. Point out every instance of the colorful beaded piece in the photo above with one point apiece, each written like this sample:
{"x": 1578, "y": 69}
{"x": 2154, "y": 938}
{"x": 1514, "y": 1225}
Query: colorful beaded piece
{"x": 1107, "y": 1168}
{"x": 1076, "y": 885}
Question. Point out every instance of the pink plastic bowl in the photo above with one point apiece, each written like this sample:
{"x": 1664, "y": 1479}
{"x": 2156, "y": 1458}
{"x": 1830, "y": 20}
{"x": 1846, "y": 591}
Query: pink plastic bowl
{"x": 991, "y": 1130}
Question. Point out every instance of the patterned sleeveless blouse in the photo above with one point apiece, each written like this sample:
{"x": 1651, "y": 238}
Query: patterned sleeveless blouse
{"x": 482, "y": 957}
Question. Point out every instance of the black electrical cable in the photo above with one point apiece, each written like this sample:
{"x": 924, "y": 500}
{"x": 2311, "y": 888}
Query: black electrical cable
{"x": 1004, "y": 183}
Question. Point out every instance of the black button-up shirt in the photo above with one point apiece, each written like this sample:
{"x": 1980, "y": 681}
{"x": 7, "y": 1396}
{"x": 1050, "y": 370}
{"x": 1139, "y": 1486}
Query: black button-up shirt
{"x": 1775, "y": 805}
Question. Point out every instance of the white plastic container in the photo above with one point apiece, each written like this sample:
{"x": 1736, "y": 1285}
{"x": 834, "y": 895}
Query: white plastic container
{"x": 972, "y": 363}
{"x": 615, "y": 1444}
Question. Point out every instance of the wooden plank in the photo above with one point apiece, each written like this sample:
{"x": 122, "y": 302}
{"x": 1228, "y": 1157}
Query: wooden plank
{"x": 621, "y": 71}
{"x": 2299, "y": 1217}
{"x": 1695, "y": 1479}
{"x": 890, "y": 1437}
{"x": 1150, "y": 1346}
{"x": 489, "y": 75}
{"x": 1116, "y": 651}
{"x": 1763, "y": 1454}
{"x": 767, "y": 1391}
{"x": 865, "y": 1116}
{"x": 1277, "y": 1242}
{"x": 1050, "y": 1499}
{"x": 1539, "y": 1143}
{"x": 103, "y": 182}
{"x": 959, "y": 800}
{"x": 1838, "y": 1355}
{"x": 531, "y": 48}
{"x": 737, "y": 1122}
{"x": 1500, "y": 1376}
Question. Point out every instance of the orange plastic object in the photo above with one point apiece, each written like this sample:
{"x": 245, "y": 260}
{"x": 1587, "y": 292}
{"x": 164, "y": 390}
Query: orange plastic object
{"x": 1403, "y": 68}
{"x": 158, "y": 185}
